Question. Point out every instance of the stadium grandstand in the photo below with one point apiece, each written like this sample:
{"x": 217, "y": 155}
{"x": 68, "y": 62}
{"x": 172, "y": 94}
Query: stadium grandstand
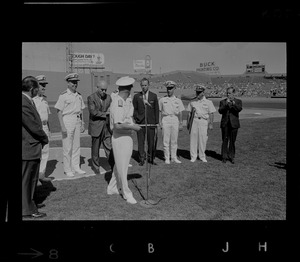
{"x": 254, "y": 82}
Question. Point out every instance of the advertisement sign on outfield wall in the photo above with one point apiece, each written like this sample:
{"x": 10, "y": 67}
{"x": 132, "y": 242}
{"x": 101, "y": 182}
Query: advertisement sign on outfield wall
{"x": 88, "y": 59}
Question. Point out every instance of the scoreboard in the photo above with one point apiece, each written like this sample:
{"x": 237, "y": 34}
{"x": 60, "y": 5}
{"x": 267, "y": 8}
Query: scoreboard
{"x": 255, "y": 67}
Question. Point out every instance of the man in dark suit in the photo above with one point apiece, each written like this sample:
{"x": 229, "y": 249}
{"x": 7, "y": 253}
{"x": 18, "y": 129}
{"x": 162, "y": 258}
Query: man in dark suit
{"x": 229, "y": 108}
{"x": 33, "y": 140}
{"x": 98, "y": 105}
{"x": 140, "y": 101}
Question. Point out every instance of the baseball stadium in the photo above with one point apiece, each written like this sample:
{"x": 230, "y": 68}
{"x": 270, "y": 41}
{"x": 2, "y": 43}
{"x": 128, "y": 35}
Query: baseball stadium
{"x": 254, "y": 188}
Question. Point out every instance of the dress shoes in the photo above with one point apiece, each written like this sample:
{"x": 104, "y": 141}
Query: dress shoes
{"x": 167, "y": 161}
{"x": 153, "y": 163}
{"x": 131, "y": 200}
{"x": 70, "y": 174}
{"x": 36, "y": 215}
{"x": 203, "y": 160}
{"x": 129, "y": 165}
{"x": 176, "y": 161}
{"x": 193, "y": 160}
{"x": 231, "y": 161}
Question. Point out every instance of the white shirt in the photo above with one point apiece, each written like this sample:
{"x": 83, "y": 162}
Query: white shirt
{"x": 203, "y": 107}
{"x": 121, "y": 111}
{"x": 70, "y": 103}
{"x": 42, "y": 107}
{"x": 170, "y": 105}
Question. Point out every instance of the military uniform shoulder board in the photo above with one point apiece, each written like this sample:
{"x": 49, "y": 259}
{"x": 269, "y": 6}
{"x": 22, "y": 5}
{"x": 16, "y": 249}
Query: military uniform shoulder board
{"x": 63, "y": 92}
{"x": 120, "y": 103}
{"x": 78, "y": 93}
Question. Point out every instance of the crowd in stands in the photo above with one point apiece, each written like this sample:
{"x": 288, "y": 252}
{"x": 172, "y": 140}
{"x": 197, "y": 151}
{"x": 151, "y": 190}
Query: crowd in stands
{"x": 258, "y": 87}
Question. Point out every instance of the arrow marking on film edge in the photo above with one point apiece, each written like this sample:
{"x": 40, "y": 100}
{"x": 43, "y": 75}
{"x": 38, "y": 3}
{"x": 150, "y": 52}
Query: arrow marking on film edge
{"x": 36, "y": 254}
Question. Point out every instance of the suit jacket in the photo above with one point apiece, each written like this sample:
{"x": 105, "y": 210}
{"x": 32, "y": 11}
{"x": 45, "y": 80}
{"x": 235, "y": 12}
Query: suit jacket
{"x": 230, "y": 113}
{"x": 139, "y": 108}
{"x": 97, "y": 109}
{"x": 33, "y": 135}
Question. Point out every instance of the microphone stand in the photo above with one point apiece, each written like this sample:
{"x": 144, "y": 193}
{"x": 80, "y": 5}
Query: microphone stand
{"x": 147, "y": 202}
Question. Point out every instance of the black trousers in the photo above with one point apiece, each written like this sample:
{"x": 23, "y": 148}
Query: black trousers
{"x": 141, "y": 134}
{"x": 30, "y": 175}
{"x": 105, "y": 139}
{"x": 229, "y": 135}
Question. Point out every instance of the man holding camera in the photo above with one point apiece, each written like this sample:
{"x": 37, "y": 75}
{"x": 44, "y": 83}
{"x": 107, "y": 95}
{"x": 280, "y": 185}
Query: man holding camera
{"x": 229, "y": 109}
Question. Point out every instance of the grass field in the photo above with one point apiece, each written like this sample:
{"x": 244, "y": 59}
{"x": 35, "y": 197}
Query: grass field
{"x": 252, "y": 189}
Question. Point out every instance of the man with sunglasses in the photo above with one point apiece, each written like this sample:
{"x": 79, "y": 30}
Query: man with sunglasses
{"x": 69, "y": 110}
{"x": 203, "y": 120}
{"x": 99, "y": 107}
{"x": 40, "y": 101}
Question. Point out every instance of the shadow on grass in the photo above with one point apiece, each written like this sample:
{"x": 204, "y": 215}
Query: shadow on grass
{"x": 213, "y": 154}
{"x": 133, "y": 176}
{"x": 279, "y": 165}
{"x": 108, "y": 174}
{"x": 43, "y": 191}
{"x": 184, "y": 153}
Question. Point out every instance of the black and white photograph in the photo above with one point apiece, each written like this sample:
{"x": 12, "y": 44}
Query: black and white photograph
{"x": 161, "y": 130}
{"x": 132, "y": 157}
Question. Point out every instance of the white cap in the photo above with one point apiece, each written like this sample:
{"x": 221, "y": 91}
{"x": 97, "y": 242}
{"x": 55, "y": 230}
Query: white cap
{"x": 125, "y": 81}
{"x": 72, "y": 77}
{"x": 41, "y": 79}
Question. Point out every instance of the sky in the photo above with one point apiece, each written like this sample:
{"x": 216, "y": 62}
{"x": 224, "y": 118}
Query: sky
{"x": 166, "y": 56}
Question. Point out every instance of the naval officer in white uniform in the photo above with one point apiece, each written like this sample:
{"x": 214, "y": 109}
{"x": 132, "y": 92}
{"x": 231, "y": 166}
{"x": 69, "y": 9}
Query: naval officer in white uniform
{"x": 121, "y": 123}
{"x": 203, "y": 120}
{"x": 69, "y": 110}
{"x": 170, "y": 108}
{"x": 41, "y": 104}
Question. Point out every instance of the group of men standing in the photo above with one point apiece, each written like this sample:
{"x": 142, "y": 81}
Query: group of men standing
{"x": 112, "y": 118}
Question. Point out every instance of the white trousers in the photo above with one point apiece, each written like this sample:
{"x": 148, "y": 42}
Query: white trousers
{"x": 71, "y": 143}
{"x": 198, "y": 138}
{"x": 170, "y": 127}
{"x": 122, "y": 149}
{"x": 45, "y": 152}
